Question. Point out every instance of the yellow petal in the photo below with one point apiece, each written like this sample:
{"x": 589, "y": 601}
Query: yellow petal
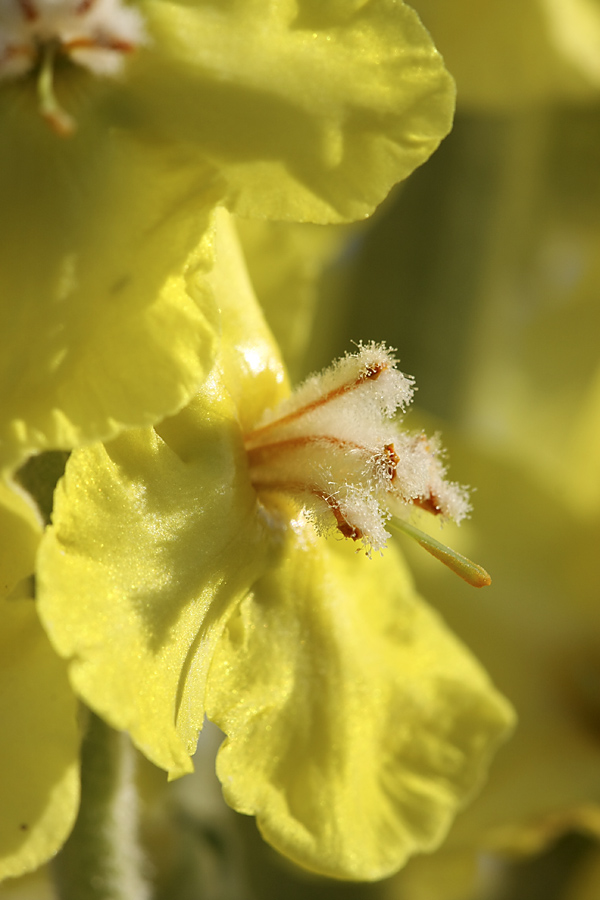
{"x": 101, "y": 323}
{"x": 249, "y": 360}
{"x": 147, "y": 557}
{"x": 443, "y": 875}
{"x": 39, "y": 772}
{"x": 533, "y": 381}
{"x": 506, "y": 54}
{"x": 308, "y": 111}
{"x": 285, "y": 262}
{"x": 157, "y": 536}
{"x": 357, "y": 725}
{"x": 575, "y": 27}
{"x": 21, "y": 531}
{"x": 537, "y": 636}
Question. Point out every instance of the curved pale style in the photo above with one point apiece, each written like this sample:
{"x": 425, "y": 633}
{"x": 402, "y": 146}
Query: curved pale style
{"x": 294, "y": 111}
{"x": 357, "y": 723}
{"x": 170, "y": 589}
{"x": 39, "y": 751}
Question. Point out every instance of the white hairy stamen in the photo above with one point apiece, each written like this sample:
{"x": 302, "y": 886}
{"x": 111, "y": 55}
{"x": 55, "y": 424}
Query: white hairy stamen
{"x": 333, "y": 444}
{"x": 95, "y": 34}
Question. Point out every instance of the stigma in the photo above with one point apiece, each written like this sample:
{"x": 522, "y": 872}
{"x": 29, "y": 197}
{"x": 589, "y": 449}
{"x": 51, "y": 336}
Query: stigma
{"x": 337, "y": 446}
{"x": 94, "y": 34}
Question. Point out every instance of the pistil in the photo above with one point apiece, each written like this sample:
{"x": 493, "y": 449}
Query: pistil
{"x": 58, "y": 119}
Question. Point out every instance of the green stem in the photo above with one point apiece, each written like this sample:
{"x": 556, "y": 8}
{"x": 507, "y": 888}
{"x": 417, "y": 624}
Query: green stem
{"x": 102, "y": 859}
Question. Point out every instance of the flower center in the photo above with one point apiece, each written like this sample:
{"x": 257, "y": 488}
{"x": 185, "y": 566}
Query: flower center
{"x": 95, "y": 34}
{"x": 334, "y": 446}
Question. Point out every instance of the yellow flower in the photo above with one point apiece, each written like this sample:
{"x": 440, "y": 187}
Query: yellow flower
{"x": 39, "y": 772}
{"x": 356, "y": 724}
{"x": 122, "y": 126}
{"x": 509, "y": 54}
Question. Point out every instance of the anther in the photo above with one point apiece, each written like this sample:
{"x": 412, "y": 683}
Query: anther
{"x": 30, "y": 13}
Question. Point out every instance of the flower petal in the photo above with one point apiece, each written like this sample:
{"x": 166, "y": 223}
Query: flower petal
{"x": 285, "y": 261}
{"x": 512, "y": 53}
{"x": 39, "y": 773}
{"x": 357, "y": 724}
{"x": 21, "y": 531}
{"x": 157, "y": 536}
{"x": 538, "y": 638}
{"x": 101, "y": 323}
{"x": 309, "y": 111}
{"x": 146, "y": 559}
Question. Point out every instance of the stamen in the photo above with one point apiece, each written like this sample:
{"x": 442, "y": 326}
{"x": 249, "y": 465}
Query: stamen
{"x": 342, "y": 524}
{"x": 255, "y": 453}
{"x": 101, "y": 42}
{"x": 390, "y": 460}
{"x": 430, "y": 504}
{"x": 30, "y": 13}
{"x": 371, "y": 372}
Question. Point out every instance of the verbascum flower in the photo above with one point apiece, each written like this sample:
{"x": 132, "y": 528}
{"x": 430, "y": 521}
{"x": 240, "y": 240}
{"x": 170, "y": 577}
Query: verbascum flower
{"x": 122, "y": 126}
{"x": 183, "y": 576}
{"x": 543, "y": 417}
{"x": 39, "y": 771}
{"x": 514, "y": 53}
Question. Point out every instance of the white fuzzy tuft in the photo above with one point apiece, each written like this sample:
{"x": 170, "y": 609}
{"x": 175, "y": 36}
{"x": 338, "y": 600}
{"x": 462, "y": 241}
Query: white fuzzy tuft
{"x": 95, "y": 34}
{"x": 334, "y": 445}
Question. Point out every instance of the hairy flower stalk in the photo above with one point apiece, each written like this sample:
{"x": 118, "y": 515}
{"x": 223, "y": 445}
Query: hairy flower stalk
{"x": 335, "y": 446}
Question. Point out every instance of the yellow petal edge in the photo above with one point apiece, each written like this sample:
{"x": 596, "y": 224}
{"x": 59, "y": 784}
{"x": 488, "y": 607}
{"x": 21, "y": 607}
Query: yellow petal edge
{"x": 39, "y": 751}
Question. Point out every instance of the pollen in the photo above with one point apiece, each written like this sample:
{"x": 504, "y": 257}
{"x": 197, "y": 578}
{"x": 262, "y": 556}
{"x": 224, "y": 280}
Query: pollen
{"x": 337, "y": 446}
